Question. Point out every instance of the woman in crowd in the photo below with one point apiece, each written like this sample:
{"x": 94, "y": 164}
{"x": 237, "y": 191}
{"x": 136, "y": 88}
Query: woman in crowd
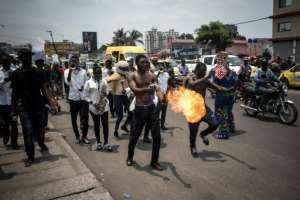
{"x": 95, "y": 92}
{"x": 224, "y": 102}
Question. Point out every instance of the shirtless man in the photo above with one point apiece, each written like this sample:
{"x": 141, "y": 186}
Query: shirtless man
{"x": 143, "y": 84}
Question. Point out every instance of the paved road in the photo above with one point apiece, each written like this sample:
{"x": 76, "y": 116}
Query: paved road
{"x": 261, "y": 161}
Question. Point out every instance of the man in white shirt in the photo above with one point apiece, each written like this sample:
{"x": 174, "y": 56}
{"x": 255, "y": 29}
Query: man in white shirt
{"x": 76, "y": 77}
{"x": 8, "y": 126}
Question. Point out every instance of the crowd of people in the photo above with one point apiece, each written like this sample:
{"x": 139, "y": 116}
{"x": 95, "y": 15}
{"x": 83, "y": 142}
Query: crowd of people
{"x": 137, "y": 87}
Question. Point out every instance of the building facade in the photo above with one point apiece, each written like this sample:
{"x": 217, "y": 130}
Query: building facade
{"x": 154, "y": 41}
{"x": 63, "y": 48}
{"x": 286, "y": 28}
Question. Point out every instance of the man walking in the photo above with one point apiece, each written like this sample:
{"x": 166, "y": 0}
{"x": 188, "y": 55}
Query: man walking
{"x": 28, "y": 88}
{"x": 75, "y": 78}
{"x": 142, "y": 83}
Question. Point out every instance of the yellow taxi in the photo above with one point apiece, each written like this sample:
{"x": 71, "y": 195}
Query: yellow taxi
{"x": 292, "y": 76}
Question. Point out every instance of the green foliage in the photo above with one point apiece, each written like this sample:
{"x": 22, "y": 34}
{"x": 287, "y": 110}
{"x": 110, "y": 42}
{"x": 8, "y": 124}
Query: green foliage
{"x": 122, "y": 37}
{"x": 215, "y": 35}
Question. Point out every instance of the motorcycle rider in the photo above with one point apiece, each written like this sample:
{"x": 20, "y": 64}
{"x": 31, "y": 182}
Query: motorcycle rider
{"x": 263, "y": 78}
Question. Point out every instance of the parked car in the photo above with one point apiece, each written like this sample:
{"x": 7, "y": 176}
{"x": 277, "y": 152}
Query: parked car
{"x": 210, "y": 61}
{"x": 291, "y": 77}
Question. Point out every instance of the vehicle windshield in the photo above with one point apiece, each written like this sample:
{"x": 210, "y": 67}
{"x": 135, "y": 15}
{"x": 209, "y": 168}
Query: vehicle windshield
{"x": 235, "y": 61}
{"x": 133, "y": 55}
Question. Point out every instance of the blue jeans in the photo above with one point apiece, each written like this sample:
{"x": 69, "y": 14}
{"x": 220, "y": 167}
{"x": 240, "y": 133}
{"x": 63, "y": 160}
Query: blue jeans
{"x": 121, "y": 102}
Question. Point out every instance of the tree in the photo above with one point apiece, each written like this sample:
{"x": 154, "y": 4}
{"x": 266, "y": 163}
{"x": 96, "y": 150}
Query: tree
{"x": 120, "y": 37}
{"x": 215, "y": 34}
{"x": 186, "y": 36}
{"x": 134, "y": 37}
{"x": 103, "y": 47}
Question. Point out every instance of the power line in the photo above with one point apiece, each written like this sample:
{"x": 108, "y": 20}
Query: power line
{"x": 254, "y": 20}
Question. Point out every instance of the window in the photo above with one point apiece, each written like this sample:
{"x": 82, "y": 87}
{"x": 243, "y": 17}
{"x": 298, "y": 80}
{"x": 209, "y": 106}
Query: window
{"x": 285, "y": 3}
{"x": 284, "y": 26}
{"x": 208, "y": 60}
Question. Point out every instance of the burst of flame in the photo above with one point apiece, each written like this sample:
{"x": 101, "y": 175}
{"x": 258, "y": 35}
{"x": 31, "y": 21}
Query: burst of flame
{"x": 188, "y": 102}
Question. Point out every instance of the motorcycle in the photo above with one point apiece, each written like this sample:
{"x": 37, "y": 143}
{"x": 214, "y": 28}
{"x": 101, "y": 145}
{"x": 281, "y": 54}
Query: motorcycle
{"x": 277, "y": 104}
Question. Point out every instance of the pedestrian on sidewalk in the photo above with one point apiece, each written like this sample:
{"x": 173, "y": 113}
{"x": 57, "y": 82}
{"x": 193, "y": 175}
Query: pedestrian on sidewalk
{"x": 95, "y": 92}
{"x": 119, "y": 85}
{"x": 8, "y": 126}
{"x": 143, "y": 84}
{"x": 107, "y": 72}
{"x": 76, "y": 78}
{"x": 66, "y": 87}
{"x": 28, "y": 88}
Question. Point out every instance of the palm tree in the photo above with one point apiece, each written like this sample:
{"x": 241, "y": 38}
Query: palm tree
{"x": 134, "y": 37}
{"x": 120, "y": 37}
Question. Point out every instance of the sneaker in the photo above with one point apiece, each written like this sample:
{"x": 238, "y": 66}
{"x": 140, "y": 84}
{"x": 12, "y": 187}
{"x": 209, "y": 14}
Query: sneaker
{"x": 99, "y": 146}
{"x": 147, "y": 140}
{"x": 194, "y": 152}
{"x": 107, "y": 147}
{"x": 124, "y": 128}
{"x": 205, "y": 140}
{"x": 84, "y": 140}
{"x": 44, "y": 147}
{"x": 29, "y": 161}
{"x": 129, "y": 162}
{"x": 164, "y": 128}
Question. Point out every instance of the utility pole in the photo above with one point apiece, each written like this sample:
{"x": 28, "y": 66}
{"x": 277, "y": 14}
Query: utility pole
{"x": 55, "y": 49}
{"x": 51, "y": 35}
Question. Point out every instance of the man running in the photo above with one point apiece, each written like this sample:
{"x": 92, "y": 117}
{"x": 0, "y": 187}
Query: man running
{"x": 142, "y": 83}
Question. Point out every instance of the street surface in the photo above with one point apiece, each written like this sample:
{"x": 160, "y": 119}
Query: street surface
{"x": 260, "y": 161}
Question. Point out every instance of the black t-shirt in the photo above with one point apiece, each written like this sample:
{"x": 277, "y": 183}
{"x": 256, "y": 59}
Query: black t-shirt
{"x": 27, "y": 85}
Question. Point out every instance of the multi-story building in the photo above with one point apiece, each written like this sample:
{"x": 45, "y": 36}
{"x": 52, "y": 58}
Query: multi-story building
{"x": 286, "y": 28}
{"x": 63, "y": 48}
{"x": 154, "y": 41}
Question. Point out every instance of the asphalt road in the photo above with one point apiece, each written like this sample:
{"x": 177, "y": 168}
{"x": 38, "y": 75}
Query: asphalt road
{"x": 261, "y": 161}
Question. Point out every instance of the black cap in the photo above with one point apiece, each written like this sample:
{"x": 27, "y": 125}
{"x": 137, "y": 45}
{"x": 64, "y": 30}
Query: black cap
{"x": 23, "y": 52}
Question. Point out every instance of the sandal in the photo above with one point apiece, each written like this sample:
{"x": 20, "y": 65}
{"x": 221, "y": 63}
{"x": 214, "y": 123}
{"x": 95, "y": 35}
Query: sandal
{"x": 107, "y": 147}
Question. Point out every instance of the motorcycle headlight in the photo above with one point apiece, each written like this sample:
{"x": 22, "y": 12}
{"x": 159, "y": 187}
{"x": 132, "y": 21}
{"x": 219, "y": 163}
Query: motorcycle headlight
{"x": 285, "y": 89}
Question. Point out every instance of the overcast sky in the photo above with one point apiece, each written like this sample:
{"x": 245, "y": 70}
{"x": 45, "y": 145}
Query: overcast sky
{"x": 28, "y": 20}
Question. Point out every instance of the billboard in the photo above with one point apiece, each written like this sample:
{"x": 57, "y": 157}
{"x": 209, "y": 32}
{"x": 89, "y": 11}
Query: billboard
{"x": 89, "y": 42}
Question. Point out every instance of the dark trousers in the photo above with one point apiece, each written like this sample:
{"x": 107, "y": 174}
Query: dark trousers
{"x": 121, "y": 102}
{"x": 45, "y": 121}
{"x": 81, "y": 108}
{"x": 163, "y": 112}
{"x": 104, "y": 121}
{"x": 209, "y": 118}
{"x": 110, "y": 98}
{"x": 33, "y": 130}
{"x": 141, "y": 116}
{"x": 8, "y": 127}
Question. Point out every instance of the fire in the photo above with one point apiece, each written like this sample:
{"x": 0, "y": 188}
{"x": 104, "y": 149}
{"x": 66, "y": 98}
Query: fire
{"x": 188, "y": 102}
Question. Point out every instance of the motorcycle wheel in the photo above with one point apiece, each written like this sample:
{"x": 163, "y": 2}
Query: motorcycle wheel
{"x": 290, "y": 116}
{"x": 251, "y": 103}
